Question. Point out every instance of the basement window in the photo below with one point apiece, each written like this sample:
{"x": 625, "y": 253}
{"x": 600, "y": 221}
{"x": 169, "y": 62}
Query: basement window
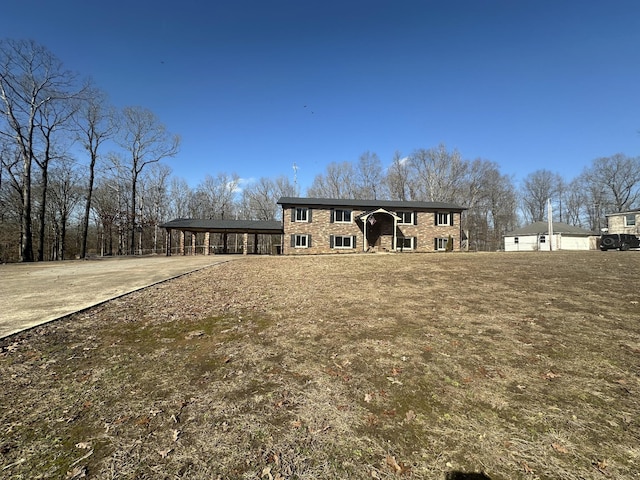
{"x": 342, "y": 241}
{"x": 300, "y": 241}
{"x": 441, "y": 244}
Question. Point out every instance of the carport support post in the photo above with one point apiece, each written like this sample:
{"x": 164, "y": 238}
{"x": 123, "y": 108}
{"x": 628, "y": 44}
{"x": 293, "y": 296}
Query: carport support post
{"x": 255, "y": 243}
{"x": 168, "y": 243}
{"x": 193, "y": 243}
{"x": 182, "y": 242}
{"x": 245, "y": 243}
{"x": 207, "y": 243}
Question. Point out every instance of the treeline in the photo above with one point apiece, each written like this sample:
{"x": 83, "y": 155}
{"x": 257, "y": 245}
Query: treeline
{"x": 79, "y": 177}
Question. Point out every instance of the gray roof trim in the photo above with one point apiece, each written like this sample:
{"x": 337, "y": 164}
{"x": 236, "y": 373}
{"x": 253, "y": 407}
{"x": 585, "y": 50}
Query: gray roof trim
{"x": 542, "y": 228}
{"x": 369, "y": 204}
{"x": 224, "y": 226}
{"x": 636, "y": 210}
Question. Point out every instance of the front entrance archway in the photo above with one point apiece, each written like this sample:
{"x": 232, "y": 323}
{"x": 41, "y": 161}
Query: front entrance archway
{"x": 379, "y": 229}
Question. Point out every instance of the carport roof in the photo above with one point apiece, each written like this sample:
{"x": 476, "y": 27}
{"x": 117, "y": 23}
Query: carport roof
{"x": 225, "y": 226}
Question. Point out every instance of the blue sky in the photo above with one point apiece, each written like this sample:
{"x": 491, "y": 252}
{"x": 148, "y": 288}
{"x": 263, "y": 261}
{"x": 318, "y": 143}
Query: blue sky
{"x": 254, "y": 86}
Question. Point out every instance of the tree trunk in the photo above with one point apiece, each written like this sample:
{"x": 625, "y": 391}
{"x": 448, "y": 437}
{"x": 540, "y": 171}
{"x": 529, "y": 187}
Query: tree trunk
{"x": 87, "y": 208}
{"x": 26, "y": 244}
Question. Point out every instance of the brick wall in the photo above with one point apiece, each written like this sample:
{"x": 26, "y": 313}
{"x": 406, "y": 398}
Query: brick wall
{"x": 320, "y": 229}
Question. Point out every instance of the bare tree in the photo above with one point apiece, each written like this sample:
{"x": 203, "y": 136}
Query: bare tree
{"x": 398, "y": 178}
{"x": 65, "y": 196}
{"x": 146, "y": 141}
{"x": 95, "y": 125}
{"x": 618, "y": 178}
{"x": 439, "y": 174}
{"x": 537, "y": 188}
{"x": 155, "y": 187}
{"x": 368, "y": 177}
{"x": 180, "y": 194}
{"x": 336, "y": 182}
{"x": 31, "y": 77}
{"x": 215, "y": 196}
{"x": 262, "y": 196}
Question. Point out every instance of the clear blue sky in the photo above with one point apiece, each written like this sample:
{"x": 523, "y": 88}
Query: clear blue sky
{"x": 253, "y": 86}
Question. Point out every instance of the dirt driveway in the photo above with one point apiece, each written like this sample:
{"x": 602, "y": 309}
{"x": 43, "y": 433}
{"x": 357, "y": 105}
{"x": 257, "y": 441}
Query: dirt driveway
{"x": 36, "y": 293}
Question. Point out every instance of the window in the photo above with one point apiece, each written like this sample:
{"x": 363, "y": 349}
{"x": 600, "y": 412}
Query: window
{"x": 406, "y": 218}
{"x": 405, "y": 243}
{"x": 441, "y": 243}
{"x": 300, "y": 241}
{"x": 444, "y": 218}
{"x": 301, "y": 215}
{"x": 630, "y": 220}
{"x": 343, "y": 216}
{"x": 342, "y": 241}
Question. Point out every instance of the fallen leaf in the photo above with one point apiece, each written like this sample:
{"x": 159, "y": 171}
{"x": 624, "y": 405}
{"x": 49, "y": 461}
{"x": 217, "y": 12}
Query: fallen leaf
{"x": 527, "y": 469}
{"x": 394, "y": 381}
{"x": 391, "y": 461}
{"x": 266, "y": 472}
{"x": 296, "y": 424}
{"x": 398, "y": 467}
{"x": 550, "y": 375}
{"x": 77, "y": 472}
{"x": 600, "y": 465}
{"x": 367, "y": 398}
{"x": 83, "y": 445}
{"x": 559, "y": 448}
{"x": 176, "y": 435}
{"x": 410, "y": 416}
{"x": 165, "y": 453}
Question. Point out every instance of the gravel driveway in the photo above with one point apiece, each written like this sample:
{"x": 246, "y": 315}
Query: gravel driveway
{"x": 36, "y": 293}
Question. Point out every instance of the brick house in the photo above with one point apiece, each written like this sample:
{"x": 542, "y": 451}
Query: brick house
{"x": 327, "y": 225}
{"x": 624, "y": 222}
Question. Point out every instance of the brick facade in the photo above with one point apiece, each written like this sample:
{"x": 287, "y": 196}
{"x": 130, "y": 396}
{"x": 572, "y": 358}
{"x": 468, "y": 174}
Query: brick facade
{"x": 626, "y": 222}
{"x": 416, "y": 229}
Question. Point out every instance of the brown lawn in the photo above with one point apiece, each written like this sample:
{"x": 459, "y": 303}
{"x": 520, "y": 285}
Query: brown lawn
{"x": 356, "y": 366}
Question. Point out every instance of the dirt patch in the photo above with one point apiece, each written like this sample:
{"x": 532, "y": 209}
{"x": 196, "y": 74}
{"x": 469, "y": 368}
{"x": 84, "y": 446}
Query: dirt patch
{"x": 363, "y": 366}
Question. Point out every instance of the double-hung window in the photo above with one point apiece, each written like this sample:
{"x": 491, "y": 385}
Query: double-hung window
{"x": 406, "y": 218}
{"x": 444, "y": 218}
{"x": 441, "y": 243}
{"x": 341, "y": 216}
{"x": 301, "y": 215}
{"x": 300, "y": 241}
{"x": 630, "y": 220}
{"x": 406, "y": 243}
{"x": 342, "y": 241}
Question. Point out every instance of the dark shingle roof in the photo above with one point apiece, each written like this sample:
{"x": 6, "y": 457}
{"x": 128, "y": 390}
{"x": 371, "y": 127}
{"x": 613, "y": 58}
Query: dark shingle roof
{"x": 541, "y": 228}
{"x": 225, "y": 226}
{"x": 343, "y": 202}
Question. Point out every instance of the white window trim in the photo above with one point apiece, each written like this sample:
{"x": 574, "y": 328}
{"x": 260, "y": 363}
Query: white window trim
{"x": 402, "y": 214}
{"x": 350, "y": 237}
{"x": 306, "y": 241}
{"x": 630, "y": 224}
{"x": 448, "y": 222}
{"x": 306, "y": 215}
{"x": 335, "y": 215}
{"x": 411, "y": 240}
{"x": 442, "y": 241}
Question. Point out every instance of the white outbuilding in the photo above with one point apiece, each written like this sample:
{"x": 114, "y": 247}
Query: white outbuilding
{"x": 535, "y": 237}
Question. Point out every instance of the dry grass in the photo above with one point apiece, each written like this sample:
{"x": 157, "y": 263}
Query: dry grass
{"x": 364, "y": 366}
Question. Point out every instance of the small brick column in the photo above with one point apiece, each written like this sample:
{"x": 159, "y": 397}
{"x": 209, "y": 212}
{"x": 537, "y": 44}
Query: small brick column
{"x": 245, "y": 243}
{"x": 207, "y": 243}
{"x": 182, "y": 242}
{"x": 193, "y": 243}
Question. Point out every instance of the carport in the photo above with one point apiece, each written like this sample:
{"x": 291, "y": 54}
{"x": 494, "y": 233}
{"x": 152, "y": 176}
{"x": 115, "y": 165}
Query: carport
{"x": 189, "y": 227}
